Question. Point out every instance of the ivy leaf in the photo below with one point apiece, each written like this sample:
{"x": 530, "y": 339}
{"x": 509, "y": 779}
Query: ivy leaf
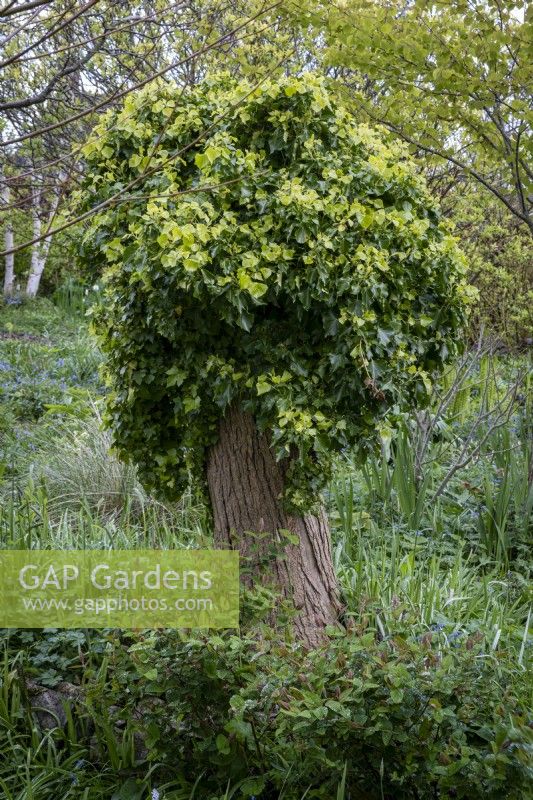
{"x": 263, "y": 386}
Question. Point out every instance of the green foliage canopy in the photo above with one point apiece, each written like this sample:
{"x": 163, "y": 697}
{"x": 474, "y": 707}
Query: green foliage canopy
{"x": 264, "y": 250}
{"x": 452, "y": 78}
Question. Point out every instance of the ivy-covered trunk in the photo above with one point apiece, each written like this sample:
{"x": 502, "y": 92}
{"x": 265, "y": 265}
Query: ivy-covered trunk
{"x": 245, "y": 485}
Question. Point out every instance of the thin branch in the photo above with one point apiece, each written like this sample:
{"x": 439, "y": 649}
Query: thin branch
{"x": 525, "y": 217}
{"x": 119, "y": 95}
{"x": 11, "y": 8}
{"x": 42, "y": 96}
{"x": 147, "y": 173}
{"x": 465, "y": 458}
{"x": 48, "y": 34}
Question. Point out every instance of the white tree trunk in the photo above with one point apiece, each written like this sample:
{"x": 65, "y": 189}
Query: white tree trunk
{"x": 37, "y": 263}
{"x": 40, "y": 249}
{"x": 9, "y": 274}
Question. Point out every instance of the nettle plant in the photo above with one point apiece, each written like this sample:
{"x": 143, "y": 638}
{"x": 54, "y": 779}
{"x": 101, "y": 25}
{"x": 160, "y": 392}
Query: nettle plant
{"x": 278, "y": 282}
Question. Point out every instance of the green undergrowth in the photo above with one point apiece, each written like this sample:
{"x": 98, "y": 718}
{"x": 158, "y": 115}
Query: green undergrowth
{"x": 429, "y": 693}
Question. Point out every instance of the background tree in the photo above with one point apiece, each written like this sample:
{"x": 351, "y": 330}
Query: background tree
{"x": 61, "y": 65}
{"x": 278, "y": 283}
{"x": 9, "y": 271}
{"x": 500, "y": 260}
{"x": 453, "y": 79}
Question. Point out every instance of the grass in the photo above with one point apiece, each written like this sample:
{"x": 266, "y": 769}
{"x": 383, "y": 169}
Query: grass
{"x": 73, "y": 492}
{"x": 452, "y": 568}
{"x": 425, "y": 548}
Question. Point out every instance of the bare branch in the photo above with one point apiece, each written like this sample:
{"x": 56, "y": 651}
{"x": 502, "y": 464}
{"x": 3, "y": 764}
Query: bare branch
{"x": 11, "y": 8}
{"x": 48, "y": 34}
{"x": 147, "y": 173}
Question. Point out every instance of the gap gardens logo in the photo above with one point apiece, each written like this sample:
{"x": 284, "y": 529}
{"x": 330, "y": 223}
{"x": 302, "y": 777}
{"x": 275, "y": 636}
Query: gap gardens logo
{"x": 123, "y": 589}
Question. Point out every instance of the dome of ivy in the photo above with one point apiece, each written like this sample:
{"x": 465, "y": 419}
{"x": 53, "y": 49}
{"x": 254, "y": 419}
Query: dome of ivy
{"x": 262, "y": 248}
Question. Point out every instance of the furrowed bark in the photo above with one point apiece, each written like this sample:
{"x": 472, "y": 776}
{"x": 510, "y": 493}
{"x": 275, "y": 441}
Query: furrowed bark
{"x": 245, "y": 485}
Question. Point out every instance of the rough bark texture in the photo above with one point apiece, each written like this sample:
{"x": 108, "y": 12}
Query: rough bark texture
{"x": 245, "y": 485}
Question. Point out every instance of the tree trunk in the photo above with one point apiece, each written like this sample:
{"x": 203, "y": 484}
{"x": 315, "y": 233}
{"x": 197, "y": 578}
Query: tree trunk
{"x": 36, "y": 263}
{"x": 9, "y": 274}
{"x": 245, "y": 486}
{"x": 40, "y": 249}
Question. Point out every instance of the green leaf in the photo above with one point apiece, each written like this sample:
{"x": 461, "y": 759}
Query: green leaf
{"x": 263, "y": 386}
{"x": 222, "y": 743}
{"x": 257, "y": 289}
{"x": 131, "y": 790}
{"x": 252, "y": 787}
{"x": 240, "y": 729}
{"x": 175, "y": 376}
{"x": 289, "y": 536}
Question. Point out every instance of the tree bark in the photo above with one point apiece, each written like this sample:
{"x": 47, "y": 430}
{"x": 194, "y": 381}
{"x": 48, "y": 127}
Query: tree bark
{"x": 245, "y": 485}
{"x": 36, "y": 263}
{"x": 39, "y": 253}
{"x": 9, "y": 274}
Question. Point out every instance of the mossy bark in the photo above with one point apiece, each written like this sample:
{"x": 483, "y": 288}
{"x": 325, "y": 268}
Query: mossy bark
{"x": 246, "y": 485}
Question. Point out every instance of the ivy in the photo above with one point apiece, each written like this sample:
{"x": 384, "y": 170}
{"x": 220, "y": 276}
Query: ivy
{"x": 272, "y": 253}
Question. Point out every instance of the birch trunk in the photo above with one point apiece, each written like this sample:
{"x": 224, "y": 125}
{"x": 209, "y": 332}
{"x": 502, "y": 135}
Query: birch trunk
{"x": 40, "y": 249}
{"x": 9, "y": 274}
{"x": 37, "y": 263}
{"x": 245, "y": 485}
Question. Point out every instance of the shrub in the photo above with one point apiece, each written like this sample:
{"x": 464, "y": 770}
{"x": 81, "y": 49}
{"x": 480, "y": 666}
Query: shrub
{"x": 406, "y": 720}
